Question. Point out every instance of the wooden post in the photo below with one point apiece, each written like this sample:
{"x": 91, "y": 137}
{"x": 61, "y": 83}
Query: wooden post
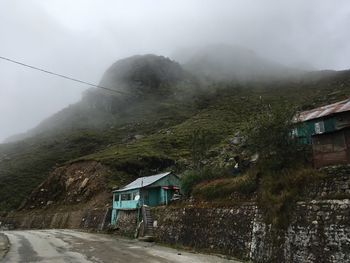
{"x": 166, "y": 196}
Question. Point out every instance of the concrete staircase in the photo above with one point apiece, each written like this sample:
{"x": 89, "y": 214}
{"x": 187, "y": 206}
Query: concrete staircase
{"x": 148, "y": 223}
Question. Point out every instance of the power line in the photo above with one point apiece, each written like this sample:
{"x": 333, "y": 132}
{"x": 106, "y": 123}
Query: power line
{"x": 60, "y": 75}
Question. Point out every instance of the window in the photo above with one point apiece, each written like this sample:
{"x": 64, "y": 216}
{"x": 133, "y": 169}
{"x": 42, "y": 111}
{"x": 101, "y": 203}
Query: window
{"x": 319, "y": 127}
{"x": 116, "y": 197}
{"x": 126, "y": 197}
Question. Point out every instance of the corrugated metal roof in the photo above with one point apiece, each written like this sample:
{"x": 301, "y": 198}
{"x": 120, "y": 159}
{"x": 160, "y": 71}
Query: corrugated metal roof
{"x": 323, "y": 111}
{"x": 142, "y": 182}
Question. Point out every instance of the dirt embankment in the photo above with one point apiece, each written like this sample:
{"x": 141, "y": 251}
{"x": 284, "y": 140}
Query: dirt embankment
{"x": 82, "y": 184}
{"x": 73, "y": 196}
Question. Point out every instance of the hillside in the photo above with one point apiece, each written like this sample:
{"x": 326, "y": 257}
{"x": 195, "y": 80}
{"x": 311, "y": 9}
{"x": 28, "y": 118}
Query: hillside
{"x": 149, "y": 132}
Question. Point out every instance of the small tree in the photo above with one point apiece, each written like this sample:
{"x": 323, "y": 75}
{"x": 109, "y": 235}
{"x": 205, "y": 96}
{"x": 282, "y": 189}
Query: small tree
{"x": 201, "y": 141}
{"x": 269, "y": 133}
{"x": 281, "y": 161}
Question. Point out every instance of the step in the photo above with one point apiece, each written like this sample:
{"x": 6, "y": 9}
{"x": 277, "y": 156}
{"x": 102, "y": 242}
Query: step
{"x": 147, "y": 238}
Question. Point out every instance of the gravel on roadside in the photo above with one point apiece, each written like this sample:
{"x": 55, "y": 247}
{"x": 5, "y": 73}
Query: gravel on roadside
{"x": 4, "y": 245}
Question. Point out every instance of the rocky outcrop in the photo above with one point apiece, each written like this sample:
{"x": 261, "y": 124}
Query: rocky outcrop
{"x": 97, "y": 219}
{"x": 145, "y": 75}
{"x": 74, "y": 196}
{"x": 75, "y": 184}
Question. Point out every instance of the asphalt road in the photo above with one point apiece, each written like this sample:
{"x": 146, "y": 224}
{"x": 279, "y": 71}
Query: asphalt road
{"x": 74, "y": 246}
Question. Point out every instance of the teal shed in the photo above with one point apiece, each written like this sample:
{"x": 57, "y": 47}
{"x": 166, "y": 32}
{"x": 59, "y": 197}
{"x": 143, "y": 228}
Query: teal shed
{"x": 151, "y": 190}
{"x": 322, "y": 120}
{"x": 327, "y": 129}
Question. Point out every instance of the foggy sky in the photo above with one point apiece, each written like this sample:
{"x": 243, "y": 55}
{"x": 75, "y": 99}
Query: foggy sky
{"x": 81, "y": 38}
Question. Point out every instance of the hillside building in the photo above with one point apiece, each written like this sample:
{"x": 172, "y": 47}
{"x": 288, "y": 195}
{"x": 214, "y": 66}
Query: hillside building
{"x": 145, "y": 191}
{"x": 327, "y": 129}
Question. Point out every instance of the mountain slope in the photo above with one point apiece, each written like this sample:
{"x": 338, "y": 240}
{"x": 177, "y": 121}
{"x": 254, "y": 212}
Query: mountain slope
{"x": 152, "y": 133}
{"x": 138, "y": 81}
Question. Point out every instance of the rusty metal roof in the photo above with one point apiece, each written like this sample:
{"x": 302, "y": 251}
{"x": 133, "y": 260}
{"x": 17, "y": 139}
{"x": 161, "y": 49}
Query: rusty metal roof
{"x": 323, "y": 111}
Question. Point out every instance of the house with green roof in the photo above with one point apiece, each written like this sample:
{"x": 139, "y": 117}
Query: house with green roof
{"x": 151, "y": 190}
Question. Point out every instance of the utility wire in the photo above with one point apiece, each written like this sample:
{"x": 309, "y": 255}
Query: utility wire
{"x": 60, "y": 75}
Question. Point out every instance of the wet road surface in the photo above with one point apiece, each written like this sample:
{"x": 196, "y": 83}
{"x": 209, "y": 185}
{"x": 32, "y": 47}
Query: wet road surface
{"x": 80, "y": 247}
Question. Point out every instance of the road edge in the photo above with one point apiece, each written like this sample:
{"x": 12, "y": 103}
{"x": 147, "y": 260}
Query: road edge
{"x": 4, "y": 245}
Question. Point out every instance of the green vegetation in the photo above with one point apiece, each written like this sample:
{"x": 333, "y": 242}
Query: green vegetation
{"x": 224, "y": 188}
{"x": 167, "y": 128}
{"x": 280, "y": 191}
{"x": 280, "y": 173}
{"x": 191, "y": 178}
{"x": 269, "y": 134}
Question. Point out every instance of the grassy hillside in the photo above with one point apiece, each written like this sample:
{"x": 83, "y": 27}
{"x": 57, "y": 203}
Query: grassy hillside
{"x": 224, "y": 112}
{"x": 155, "y": 134}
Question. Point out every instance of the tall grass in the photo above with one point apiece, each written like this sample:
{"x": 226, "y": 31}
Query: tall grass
{"x": 223, "y": 188}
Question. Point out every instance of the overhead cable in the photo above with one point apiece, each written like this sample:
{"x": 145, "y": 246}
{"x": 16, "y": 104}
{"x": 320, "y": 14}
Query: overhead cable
{"x": 60, "y": 75}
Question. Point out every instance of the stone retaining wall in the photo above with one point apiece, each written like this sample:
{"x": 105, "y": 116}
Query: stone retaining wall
{"x": 225, "y": 230}
{"x": 127, "y": 223}
{"x": 319, "y": 232}
{"x": 335, "y": 185}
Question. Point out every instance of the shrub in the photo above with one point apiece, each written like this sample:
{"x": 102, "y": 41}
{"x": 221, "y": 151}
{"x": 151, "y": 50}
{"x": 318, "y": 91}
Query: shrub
{"x": 269, "y": 133}
{"x": 192, "y": 178}
{"x": 281, "y": 190}
{"x": 223, "y": 188}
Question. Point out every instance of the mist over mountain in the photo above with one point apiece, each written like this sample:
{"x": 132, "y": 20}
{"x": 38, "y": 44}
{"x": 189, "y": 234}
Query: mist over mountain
{"x": 223, "y": 62}
{"x": 143, "y": 82}
{"x": 139, "y": 82}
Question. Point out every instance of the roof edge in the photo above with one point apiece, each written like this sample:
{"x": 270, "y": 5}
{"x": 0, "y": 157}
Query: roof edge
{"x": 165, "y": 174}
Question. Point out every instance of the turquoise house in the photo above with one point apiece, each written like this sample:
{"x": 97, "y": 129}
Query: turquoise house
{"x": 150, "y": 190}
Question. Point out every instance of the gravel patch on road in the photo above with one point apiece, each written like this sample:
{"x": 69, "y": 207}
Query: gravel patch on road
{"x": 4, "y": 245}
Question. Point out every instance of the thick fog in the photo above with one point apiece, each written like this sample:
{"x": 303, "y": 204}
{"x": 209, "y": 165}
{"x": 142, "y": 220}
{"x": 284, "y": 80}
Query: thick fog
{"x": 81, "y": 38}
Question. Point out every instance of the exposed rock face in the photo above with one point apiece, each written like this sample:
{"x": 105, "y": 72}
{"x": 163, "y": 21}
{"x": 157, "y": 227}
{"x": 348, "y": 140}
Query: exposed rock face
{"x": 137, "y": 79}
{"x": 78, "y": 183}
{"x": 97, "y": 219}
